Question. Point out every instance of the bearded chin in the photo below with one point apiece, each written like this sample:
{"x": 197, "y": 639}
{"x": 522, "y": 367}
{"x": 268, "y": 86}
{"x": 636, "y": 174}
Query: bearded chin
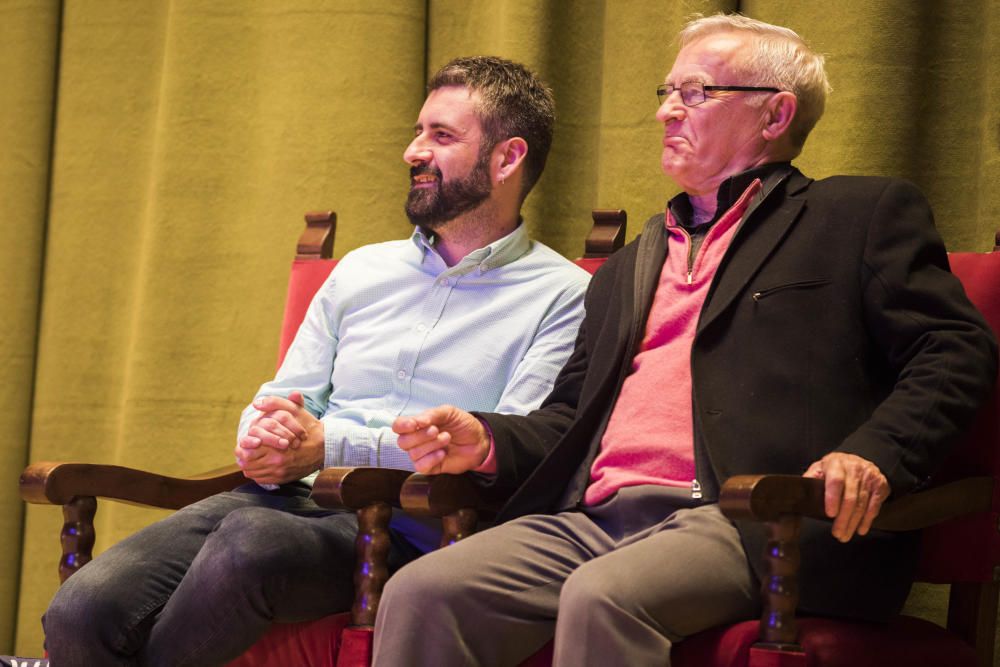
{"x": 433, "y": 207}
{"x": 424, "y": 209}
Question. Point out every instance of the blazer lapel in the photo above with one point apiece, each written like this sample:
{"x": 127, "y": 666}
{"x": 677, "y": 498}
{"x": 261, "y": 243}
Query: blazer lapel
{"x": 760, "y": 233}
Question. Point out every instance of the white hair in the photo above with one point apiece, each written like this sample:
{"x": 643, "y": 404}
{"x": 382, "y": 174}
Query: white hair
{"x": 778, "y": 58}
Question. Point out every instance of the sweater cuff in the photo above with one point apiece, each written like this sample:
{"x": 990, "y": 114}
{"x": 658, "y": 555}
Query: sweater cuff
{"x": 488, "y": 466}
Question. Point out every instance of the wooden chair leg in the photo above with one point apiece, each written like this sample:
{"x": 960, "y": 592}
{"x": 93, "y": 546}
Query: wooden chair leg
{"x": 77, "y": 536}
{"x": 780, "y": 588}
{"x": 458, "y": 525}
{"x": 972, "y": 615}
{"x": 372, "y": 571}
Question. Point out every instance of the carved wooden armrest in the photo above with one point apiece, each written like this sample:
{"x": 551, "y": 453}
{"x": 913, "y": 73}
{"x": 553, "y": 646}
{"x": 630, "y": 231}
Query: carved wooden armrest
{"x": 780, "y": 502}
{"x": 372, "y": 493}
{"x": 357, "y": 488}
{"x": 767, "y": 497}
{"x": 76, "y": 486}
{"x": 455, "y": 499}
{"x": 59, "y": 483}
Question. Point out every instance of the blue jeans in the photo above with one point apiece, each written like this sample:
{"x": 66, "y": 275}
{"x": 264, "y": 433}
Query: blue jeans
{"x": 202, "y": 585}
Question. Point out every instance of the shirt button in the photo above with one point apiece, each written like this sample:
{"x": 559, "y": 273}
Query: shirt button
{"x": 401, "y": 375}
{"x": 421, "y": 327}
{"x": 443, "y": 282}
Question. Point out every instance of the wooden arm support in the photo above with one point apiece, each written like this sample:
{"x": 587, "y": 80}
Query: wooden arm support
{"x": 357, "y": 488}
{"x": 768, "y": 497}
{"x": 455, "y": 499}
{"x": 76, "y": 486}
{"x": 372, "y": 493}
{"x": 58, "y": 483}
{"x": 781, "y": 501}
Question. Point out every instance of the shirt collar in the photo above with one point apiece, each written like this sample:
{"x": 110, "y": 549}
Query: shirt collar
{"x": 731, "y": 189}
{"x": 502, "y": 251}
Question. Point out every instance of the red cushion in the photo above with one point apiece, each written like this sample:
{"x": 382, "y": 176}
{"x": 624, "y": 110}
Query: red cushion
{"x": 975, "y": 454}
{"x": 306, "y": 278}
{"x": 590, "y": 264}
{"x": 356, "y": 647}
{"x": 314, "y": 643}
{"x": 980, "y": 273}
{"x": 830, "y": 643}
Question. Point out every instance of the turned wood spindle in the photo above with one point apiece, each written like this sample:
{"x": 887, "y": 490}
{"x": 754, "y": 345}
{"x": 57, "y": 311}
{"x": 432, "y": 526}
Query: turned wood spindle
{"x": 372, "y": 552}
{"x": 780, "y": 587}
{"x": 77, "y": 536}
{"x": 458, "y": 525}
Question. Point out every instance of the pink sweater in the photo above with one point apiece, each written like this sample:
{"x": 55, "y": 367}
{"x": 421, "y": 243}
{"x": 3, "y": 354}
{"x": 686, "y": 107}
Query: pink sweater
{"x": 650, "y": 436}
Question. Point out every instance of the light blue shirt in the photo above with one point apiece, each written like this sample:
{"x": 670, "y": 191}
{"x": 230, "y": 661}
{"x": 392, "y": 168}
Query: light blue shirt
{"x": 394, "y": 331}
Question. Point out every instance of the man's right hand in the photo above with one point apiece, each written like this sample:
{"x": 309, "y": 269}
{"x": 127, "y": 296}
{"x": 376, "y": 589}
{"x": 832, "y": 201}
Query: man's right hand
{"x": 443, "y": 440}
{"x": 278, "y": 429}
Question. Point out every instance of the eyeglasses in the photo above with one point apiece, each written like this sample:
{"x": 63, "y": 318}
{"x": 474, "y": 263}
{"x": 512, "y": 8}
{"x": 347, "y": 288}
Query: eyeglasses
{"x": 693, "y": 92}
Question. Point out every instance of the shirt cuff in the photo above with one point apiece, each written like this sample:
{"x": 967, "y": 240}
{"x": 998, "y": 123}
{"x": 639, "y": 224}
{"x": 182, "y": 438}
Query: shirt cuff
{"x": 489, "y": 466}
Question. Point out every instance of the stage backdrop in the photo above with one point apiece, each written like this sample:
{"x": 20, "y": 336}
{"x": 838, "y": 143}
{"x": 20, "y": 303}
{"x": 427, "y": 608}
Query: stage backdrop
{"x": 156, "y": 158}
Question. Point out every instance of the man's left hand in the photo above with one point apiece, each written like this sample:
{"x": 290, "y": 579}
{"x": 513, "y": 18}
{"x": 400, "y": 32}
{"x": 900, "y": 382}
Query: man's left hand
{"x": 854, "y": 491}
{"x": 270, "y": 465}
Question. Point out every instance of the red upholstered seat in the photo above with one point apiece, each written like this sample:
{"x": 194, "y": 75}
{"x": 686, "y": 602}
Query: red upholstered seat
{"x": 314, "y": 643}
{"x": 904, "y": 641}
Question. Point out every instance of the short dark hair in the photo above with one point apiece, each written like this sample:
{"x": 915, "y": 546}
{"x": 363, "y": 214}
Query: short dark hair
{"x": 513, "y": 102}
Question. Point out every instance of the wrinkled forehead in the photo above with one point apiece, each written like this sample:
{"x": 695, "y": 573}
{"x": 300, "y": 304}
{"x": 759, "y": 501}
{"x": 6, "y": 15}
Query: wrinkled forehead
{"x": 716, "y": 58}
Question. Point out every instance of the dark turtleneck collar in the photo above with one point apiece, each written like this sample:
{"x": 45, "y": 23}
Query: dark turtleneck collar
{"x": 730, "y": 190}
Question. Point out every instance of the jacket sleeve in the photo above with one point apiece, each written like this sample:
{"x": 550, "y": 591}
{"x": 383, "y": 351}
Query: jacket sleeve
{"x": 935, "y": 343}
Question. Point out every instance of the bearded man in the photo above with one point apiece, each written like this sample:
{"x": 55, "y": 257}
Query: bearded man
{"x": 468, "y": 310}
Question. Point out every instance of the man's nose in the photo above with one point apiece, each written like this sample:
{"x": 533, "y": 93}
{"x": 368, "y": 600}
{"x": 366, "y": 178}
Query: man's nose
{"x": 416, "y": 153}
{"x": 672, "y": 108}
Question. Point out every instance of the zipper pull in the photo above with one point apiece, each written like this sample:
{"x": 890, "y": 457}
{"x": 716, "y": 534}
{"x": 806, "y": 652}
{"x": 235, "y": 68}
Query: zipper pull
{"x": 695, "y": 489}
{"x": 689, "y": 277}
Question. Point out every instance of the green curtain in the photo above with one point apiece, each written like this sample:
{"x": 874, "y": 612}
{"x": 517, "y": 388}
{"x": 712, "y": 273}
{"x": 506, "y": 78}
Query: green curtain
{"x": 157, "y": 157}
{"x": 29, "y": 44}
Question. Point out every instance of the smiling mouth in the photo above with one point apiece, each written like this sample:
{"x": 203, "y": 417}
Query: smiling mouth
{"x": 423, "y": 181}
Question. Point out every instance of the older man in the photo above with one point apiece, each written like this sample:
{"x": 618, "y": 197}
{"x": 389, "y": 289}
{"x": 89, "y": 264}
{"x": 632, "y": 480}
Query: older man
{"x": 766, "y": 323}
{"x": 468, "y": 310}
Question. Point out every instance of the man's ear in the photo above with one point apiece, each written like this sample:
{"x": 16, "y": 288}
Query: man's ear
{"x": 511, "y": 152}
{"x": 781, "y": 110}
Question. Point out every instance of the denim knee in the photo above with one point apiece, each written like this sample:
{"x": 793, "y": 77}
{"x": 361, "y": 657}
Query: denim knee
{"x": 250, "y": 544}
{"x": 89, "y": 621}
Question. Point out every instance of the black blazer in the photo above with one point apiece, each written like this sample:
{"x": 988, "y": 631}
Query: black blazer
{"x": 833, "y": 323}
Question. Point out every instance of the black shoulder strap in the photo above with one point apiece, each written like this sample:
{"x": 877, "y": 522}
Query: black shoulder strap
{"x": 648, "y": 263}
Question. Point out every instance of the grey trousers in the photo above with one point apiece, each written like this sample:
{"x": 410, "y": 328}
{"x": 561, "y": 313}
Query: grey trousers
{"x": 615, "y": 584}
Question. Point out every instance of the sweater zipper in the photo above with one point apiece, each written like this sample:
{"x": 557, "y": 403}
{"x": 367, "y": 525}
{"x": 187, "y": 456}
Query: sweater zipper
{"x": 695, "y": 489}
{"x": 690, "y": 254}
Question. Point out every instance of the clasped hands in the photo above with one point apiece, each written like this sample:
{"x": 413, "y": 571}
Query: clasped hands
{"x": 448, "y": 440}
{"x": 284, "y": 443}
